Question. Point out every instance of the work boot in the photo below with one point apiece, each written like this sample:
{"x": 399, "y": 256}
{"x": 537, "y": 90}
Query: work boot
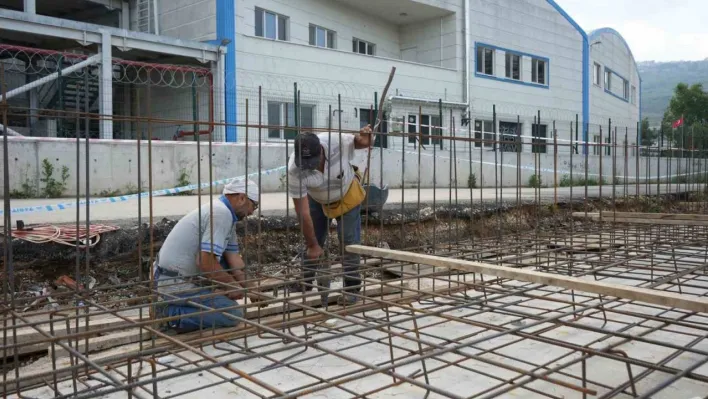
{"x": 347, "y": 300}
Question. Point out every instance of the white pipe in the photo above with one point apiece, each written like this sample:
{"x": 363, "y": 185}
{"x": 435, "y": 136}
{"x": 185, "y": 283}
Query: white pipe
{"x": 10, "y": 132}
{"x": 156, "y": 17}
{"x": 468, "y": 57}
{"x": 105, "y": 88}
{"x": 125, "y": 16}
{"x": 29, "y": 86}
{"x": 222, "y": 89}
{"x": 30, "y": 6}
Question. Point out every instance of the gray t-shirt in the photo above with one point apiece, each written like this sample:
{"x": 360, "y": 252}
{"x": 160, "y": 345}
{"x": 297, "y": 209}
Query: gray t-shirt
{"x": 187, "y": 239}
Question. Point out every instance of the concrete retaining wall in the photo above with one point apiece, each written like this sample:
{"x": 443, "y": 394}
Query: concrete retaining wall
{"x": 113, "y": 165}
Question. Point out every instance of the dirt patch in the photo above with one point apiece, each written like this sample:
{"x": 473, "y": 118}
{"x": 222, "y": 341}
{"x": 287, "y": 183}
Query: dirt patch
{"x": 269, "y": 244}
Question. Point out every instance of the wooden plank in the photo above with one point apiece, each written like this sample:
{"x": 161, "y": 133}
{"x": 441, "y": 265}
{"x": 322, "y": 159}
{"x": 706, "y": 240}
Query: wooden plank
{"x": 103, "y": 342}
{"x": 621, "y": 291}
{"x": 675, "y": 220}
{"x": 372, "y": 289}
{"x": 36, "y": 342}
{"x": 662, "y": 216}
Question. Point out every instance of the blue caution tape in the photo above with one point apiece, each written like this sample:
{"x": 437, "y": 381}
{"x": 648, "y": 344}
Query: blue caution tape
{"x": 123, "y": 198}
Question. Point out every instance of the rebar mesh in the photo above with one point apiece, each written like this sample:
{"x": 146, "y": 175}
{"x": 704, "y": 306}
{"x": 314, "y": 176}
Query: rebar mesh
{"x": 457, "y": 190}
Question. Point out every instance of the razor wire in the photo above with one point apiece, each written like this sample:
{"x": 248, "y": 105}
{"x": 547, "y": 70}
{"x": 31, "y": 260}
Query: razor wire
{"x": 41, "y": 62}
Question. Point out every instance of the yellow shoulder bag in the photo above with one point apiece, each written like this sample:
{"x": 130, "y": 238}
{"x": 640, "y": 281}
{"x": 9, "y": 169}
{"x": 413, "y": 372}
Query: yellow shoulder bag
{"x": 355, "y": 195}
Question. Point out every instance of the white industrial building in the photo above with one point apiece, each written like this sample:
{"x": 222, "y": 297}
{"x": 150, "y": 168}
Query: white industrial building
{"x": 520, "y": 58}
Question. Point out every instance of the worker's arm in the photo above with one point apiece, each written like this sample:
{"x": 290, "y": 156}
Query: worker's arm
{"x": 302, "y": 209}
{"x": 364, "y": 139}
{"x": 211, "y": 268}
{"x": 238, "y": 268}
{"x": 215, "y": 242}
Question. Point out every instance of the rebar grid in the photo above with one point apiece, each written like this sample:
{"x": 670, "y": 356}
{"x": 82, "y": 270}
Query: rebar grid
{"x": 475, "y": 328}
{"x": 415, "y": 331}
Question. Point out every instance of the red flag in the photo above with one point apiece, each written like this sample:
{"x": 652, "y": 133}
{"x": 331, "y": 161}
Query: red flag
{"x": 678, "y": 123}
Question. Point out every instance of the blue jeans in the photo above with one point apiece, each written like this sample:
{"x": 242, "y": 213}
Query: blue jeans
{"x": 349, "y": 235}
{"x": 187, "y": 323}
{"x": 196, "y": 321}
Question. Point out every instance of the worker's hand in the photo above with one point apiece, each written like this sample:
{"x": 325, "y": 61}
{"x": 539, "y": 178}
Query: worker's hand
{"x": 365, "y": 130}
{"x": 235, "y": 295}
{"x": 314, "y": 252}
{"x": 257, "y": 300}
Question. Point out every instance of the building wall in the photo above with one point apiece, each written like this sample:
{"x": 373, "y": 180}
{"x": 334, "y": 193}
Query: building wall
{"x": 175, "y": 107}
{"x": 435, "y": 42}
{"x": 322, "y": 74}
{"x": 114, "y": 166}
{"x": 188, "y": 19}
{"x": 346, "y": 22}
{"x": 609, "y": 50}
{"x": 533, "y": 28}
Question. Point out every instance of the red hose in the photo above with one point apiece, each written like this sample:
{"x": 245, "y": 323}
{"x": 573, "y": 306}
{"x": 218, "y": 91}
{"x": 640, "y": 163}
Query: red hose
{"x": 65, "y": 235}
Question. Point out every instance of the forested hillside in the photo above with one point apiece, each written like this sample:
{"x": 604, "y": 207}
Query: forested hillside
{"x": 659, "y": 80}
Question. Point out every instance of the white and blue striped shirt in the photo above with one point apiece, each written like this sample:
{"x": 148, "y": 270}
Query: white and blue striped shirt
{"x": 188, "y": 238}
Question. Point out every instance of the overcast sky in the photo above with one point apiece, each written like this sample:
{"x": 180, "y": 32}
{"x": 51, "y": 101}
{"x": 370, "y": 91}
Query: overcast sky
{"x": 659, "y": 30}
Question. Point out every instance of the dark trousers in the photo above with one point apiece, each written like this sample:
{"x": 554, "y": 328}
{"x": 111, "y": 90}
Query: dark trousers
{"x": 348, "y": 231}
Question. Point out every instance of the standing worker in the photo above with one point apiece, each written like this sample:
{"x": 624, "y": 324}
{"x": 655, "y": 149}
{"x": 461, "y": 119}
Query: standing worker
{"x": 324, "y": 185}
{"x": 201, "y": 263}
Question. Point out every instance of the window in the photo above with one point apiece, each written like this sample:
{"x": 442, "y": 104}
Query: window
{"x": 485, "y": 60}
{"x": 597, "y": 72}
{"x": 538, "y": 71}
{"x": 280, "y": 114}
{"x": 625, "y": 93}
{"x": 513, "y": 66}
{"x": 429, "y": 124}
{"x": 322, "y": 37}
{"x": 484, "y": 130}
{"x": 271, "y": 25}
{"x": 538, "y": 141}
{"x": 362, "y": 47}
{"x": 608, "y": 79}
{"x": 509, "y": 140}
{"x": 634, "y": 95}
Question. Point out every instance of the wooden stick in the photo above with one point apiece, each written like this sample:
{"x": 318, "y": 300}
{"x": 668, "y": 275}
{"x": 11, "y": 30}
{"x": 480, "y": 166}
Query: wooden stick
{"x": 654, "y": 297}
{"x": 654, "y": 216}
{"x": 658, "y": 219}
{"x": 377, "y": 125}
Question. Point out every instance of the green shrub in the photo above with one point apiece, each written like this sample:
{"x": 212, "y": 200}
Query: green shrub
{"x": 535, "y": 181}
{"x": 472, "y": 181}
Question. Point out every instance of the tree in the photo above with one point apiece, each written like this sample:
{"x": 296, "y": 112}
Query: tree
{"x": 691, "y": 104}
{"x": 648, "y": 135}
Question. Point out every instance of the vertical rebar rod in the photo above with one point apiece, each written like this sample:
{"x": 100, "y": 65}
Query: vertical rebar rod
{"x": 85, "y": 290}
{"x": 637, "y": 151}
{"x": 151, "y": 226}
{"x": 77, "y": 268}
{"x": 495, "y": 140}
{"x": 518, "y": 161}
{"x": 253, "y": 272}
{"x": 555, "y": 165}
{"x": 8, "y": 282}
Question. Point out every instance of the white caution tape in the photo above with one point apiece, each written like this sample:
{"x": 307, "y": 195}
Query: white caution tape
{"x": 123, "y": 198}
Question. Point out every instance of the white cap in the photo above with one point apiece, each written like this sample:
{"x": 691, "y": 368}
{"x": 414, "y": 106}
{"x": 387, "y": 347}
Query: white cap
{"x": 239, "y": 187}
